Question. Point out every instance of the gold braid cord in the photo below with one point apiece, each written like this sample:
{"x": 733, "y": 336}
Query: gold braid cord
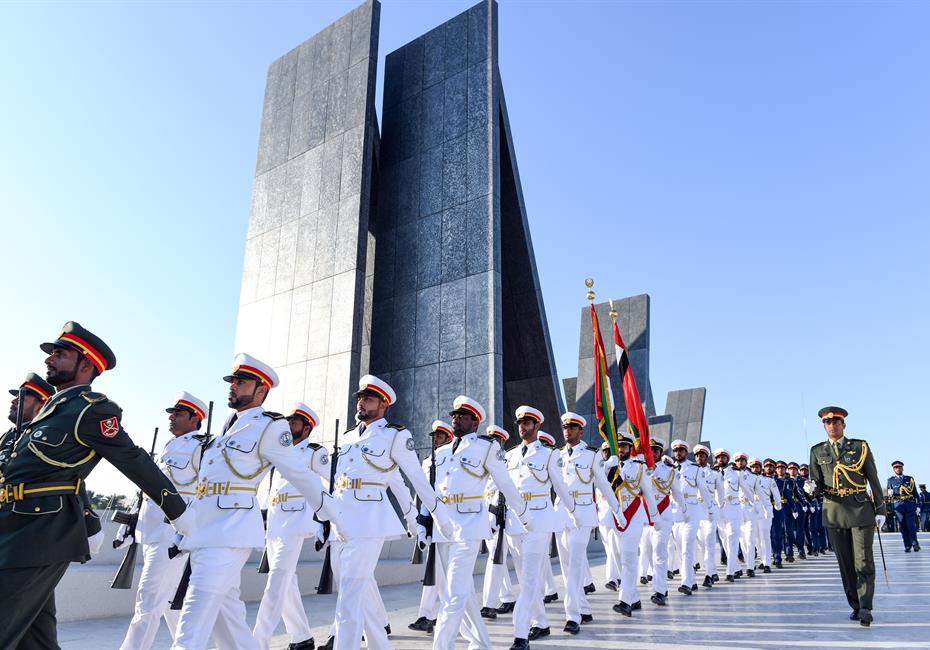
{"x": 848, "y": 470}
{"x": 663, "y": 486}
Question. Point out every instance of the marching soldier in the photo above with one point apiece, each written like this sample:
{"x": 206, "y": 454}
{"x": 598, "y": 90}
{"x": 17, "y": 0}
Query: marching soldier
{"x": 841, "y": 469}
{"x": 707, "y": 532}
{"x": 497, "y": 591}
{"x": 461, "y": 481}
{"x": 535, "y": 470}
{"x": 731, "y": 511}
{"x": 605, "y": 523}
{"x": 693, "y": 484}
{"x": 35, "y": 393}
{"x": 429, "y": 598}
{"x": 800, "y": 511}
{"x": 923, "y": 508}
{"x": 638, "y": 503}
{"x": 654, "y": 540}
{"x": 903, "y": 489}
{"x": 180, "y": 461}
{"x": 770, "y": 503}
{"x": 749, "y": 497}
{"x": 780, "y": 536}
{"x": 583, "y": 472}
{"x": 370, "y": 456}
{"x": 549, "y": 588}
{"x": 229, "y": 520}
{"x": 42, "y": 514}
{"x": 810, "y": 535}
{"x": 290, "y": 521}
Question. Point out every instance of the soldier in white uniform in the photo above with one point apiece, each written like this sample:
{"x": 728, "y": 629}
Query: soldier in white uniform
{"x": 707, "y": 532}
{"x": 370, "y": 456}
{"x": 731, "y": 513}
{"x": 693, "y": 484}
{"x": 461, "y": 482}
{"x": 429, "y": 598}
{"x": 497, "y": 592}
{"x": 549, "y": 589}
{"x": 769, "y": 501}
{"x": 610, "y": 537}
{"x": 229, "y": 520}
{"x": 638, "y": 503}
{"x": 749, "y": 530}
{"x": 654, "y": 541}
{"x": 180, "y": 461}
{"x": 583, "y": 471}
{"x": 536, "y": 470}
{"x": 289, "y": 522}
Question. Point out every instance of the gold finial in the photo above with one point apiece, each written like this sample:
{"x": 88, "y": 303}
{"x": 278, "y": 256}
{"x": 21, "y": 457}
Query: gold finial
{"x": 613, "y": 312}
{"x": 589, "y": 283}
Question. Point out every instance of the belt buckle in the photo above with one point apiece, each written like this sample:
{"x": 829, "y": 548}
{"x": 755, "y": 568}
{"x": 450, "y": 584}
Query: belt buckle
{"x": 201, "y": 490}
{"x": 5, "y": 494}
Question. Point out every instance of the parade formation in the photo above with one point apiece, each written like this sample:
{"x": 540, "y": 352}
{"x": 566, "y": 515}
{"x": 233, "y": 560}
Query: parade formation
{"x": 661, "y": 516}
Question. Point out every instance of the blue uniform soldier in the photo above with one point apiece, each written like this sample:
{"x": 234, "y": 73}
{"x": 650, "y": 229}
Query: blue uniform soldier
{"x": 903, "y": 492}
{"x": 780, "y": 538}
{"x": 800, "y": 510}
{"x": 923, "y": 508}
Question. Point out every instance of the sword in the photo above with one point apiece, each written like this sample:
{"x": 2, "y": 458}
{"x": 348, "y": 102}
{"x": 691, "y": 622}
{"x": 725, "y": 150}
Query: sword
{"x": 882, "y": 551}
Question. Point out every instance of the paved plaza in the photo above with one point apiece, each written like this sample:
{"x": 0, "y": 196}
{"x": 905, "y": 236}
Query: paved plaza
{"x": 800, "y": 604}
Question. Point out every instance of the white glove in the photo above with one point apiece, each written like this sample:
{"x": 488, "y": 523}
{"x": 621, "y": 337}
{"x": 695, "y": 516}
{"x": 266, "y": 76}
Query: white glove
{"x": 794, "y": 514}
{"x": 879, "y": 520}
{"x": 576, "y": 522}
{"x": 186, "y": 523}
{"x": 442, "y": 522}
{"x": 318, "y": 534}
{"x": 423, "y": 540}
{"x": 810, "y": 487}
{"x": 527, "y": 521}
{"x": 95, "y": 542}
{"x": 119, "y": 542}
{"x": 621, "y": 520}
{"x": 613, "y": 461}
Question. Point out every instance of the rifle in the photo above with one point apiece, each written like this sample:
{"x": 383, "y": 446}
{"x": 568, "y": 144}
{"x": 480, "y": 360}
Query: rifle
{"x": 425, "y": 521}
{"x": 124, "y": 575}
{"x": 263, "y": 566}
{"x": 429, "y": 575}
{"x": 500, "y": 512}
{"x": 174, "y": 551}
{"x": 20, "y": 395}
{"x": 326, "y": 572}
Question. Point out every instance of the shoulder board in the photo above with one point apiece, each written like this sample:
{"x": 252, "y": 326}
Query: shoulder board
{"x": 486, "y": 437}
{"x": 352, "y": 428}
{"x": 636, "y": 460}
{"x": 274, "y": 416}
{"x": 394, "y": 425}
{"x": 314, "y": 445}
{"x": 93, "y": 398}
{"x": 590, "y": 448}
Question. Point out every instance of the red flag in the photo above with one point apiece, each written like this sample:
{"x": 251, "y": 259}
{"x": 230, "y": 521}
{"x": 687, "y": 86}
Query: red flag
{"x": 603, "y": 400}
{"x": 634, "y": 407}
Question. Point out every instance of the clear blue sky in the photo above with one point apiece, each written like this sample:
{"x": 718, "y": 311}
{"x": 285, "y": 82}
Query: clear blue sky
{"x": 761, "y": 169}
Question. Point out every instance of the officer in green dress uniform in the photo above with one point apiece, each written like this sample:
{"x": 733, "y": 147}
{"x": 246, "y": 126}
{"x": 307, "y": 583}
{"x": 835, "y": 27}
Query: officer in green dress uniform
{"x": 42, "y": 514}
{"x": 842, "y": 469}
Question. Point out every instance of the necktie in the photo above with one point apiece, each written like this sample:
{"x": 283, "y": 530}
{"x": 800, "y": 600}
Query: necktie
{"x": 231, "y": 422}
{"x": 361, "y": 428}
{"x": 455, "y": 445}
{"x": 836, "y": 449}
{"x": 571, "y": 450}
{"x": 523, "y": 451}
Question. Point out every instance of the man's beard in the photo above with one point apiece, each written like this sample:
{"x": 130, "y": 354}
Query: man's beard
{"x": 240, "y": 400}
{"x": 57, "y": 376}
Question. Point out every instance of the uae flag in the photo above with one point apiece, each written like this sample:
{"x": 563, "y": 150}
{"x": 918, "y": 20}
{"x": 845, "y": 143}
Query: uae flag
{"x": 639, "y": 427}
{"x": 603, "y": 402}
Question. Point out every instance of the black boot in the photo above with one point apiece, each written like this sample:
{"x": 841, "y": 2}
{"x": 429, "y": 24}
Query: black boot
{"x": 422, "y": 624}
{"x": 505, "y": 608}
{"x": 865, "y": 617}
{"x": 684, "y": 589}
{"x": 329, "y": 644}
{"x": 589, "y": 589}
{"x": 551, "y": 598}
{"x": 612, "y": 586}
{"x": 766, "y": 569}
{"x": 708, "y": 582}
{"x": 623, "y": 608}
{"x": 538, "y": 633}
{"x": 658, "y": 599}
{"x": 488, "y": 612}
{"x": 520, "y": 644}
{"x": 306, "y": 644}
{"x": 571, "y": 627}
{"x": 586, "y": 618}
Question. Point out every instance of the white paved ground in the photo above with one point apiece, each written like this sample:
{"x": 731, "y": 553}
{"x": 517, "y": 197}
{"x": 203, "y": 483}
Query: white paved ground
{"x": 802, "y": 604}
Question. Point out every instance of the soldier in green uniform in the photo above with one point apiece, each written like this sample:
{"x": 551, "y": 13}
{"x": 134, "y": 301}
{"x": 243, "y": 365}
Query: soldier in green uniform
{"x": 841, "y": 469}
{"x": 42, "y": 516}
{"x": 35, "y": 392}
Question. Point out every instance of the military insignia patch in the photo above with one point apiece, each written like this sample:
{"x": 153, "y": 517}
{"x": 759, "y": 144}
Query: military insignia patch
{"x": 37, "y": 435}
{"x": 410, "y": 445}
{"x": 561, "y": 463}
{"x": 286, "y": 439}
{"x": 109, "y": 427}
{"x": 501, "y": 455}
{"x": 324, "y": 459}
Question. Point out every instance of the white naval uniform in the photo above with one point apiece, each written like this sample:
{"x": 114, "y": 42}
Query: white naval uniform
{"x": 429, "y": 598}
{"x": 707, "y": 532}
{"x": 610, "y": 538}
{"x": 289, "y": 522}
{"x": 749, "y": 530}
{"x": 497, "y": 587}
{"x": 535, "y": 473}
{"x": 693, "y": 484}
{"x": 654, "y": 541}
{"x": 636, "y": 497}
{"x": 731, "y": 516}
{"x": 768, "y": 494}
{"x": 180, "y": 461}
{"x": 583, "y": 471}
{"x": 229, "y": 523}
{"x": 461, "y": 483}
{"x": 368, "y": 462}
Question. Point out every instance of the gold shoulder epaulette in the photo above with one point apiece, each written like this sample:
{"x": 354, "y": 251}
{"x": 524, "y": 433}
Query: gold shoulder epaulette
{"x": 93, "y": 398}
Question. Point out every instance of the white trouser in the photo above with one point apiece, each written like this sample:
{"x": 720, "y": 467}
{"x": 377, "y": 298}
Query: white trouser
{"x": 646, "y": 556}
{"x": 378, "y": 617}
{"x": 549, "y": 586}
{"x": 662, "y": 537}
{"x": 282, "y": 594}
{"x": 573, "y": 546}
{"x": 429, "y": 602}
{"x": 497, "y": 587}
{"x": 213, "y": 603}
{"x": 765, "y": 538}
{"x": 611, "y": 541}
{"x": 356, "y": 608}
{"x": 455, "y": 568}
{"x": 687, "y": 532}
{"x": 530, "y": 552}
{"x": 731, "y": 518}
{"x": 157, "y": 584}
{"x": 673, "y": 550}
{"x": 707, "y": 536}
{"x": 749, "y": 531}
{"x": 629, "y": 547}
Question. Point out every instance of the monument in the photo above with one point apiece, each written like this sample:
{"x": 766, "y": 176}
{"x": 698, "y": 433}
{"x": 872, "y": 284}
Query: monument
{"x": 383, "y": 255}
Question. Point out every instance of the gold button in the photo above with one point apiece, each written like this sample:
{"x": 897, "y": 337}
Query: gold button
{"x": 44, "y": 438}
{"x": 2, "y": 480}
{"x": 209, "y": 462}
{"x": 38, "y": 508}
{"x": 13, "y": 455}
{"x": 236, "y": 503}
